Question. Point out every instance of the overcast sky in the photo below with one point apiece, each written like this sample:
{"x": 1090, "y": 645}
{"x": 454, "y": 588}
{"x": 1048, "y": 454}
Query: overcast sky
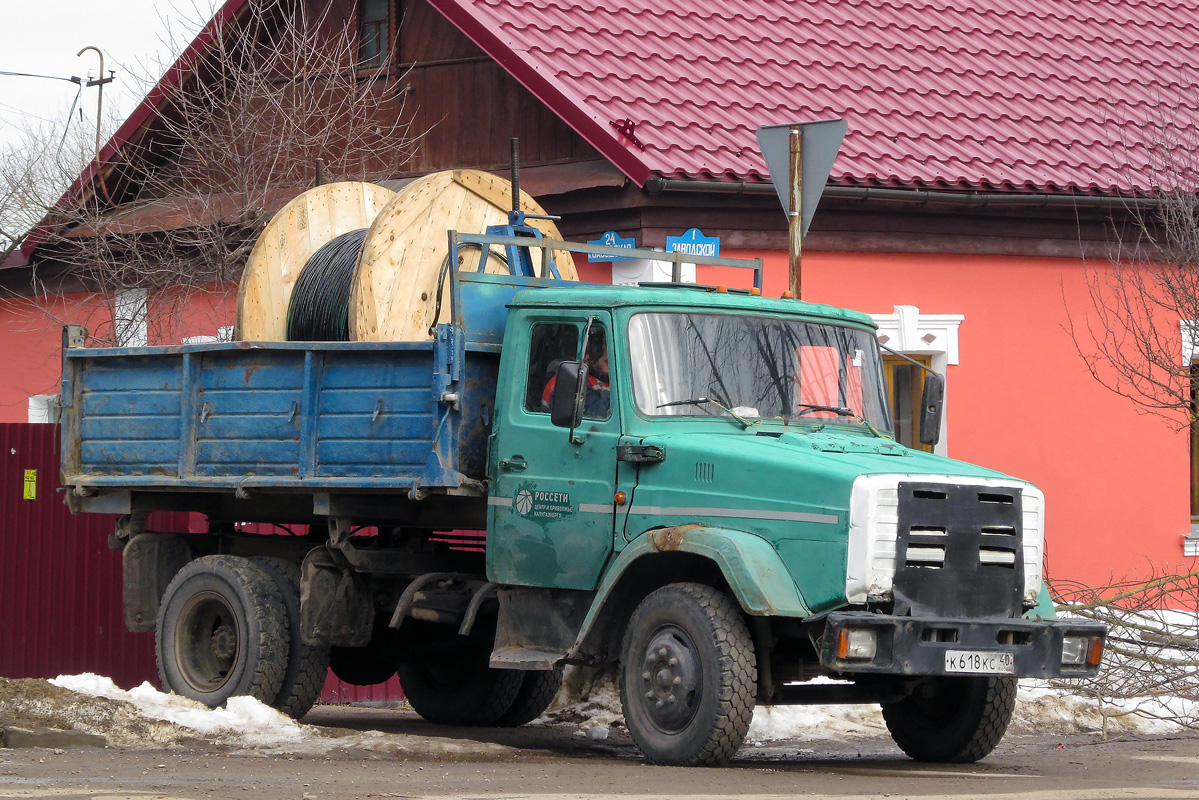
{"x": 44, "y": 36}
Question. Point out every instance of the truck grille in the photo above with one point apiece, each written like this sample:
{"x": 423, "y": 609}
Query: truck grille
{"x": 958, "y": 551}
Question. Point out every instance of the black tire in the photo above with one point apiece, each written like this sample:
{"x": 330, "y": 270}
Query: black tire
{"x": 688, "y": 676}
{"x": 952, "y": 719}
{"x": 457, "y": 687}
{"x": 307, "y": 664}
{"x": 222, "y": 632}
{"x": 537, "y": 690}
{"x": 369, "y": 665}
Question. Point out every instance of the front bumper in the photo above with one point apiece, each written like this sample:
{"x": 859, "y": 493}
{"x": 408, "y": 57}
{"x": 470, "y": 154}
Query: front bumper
{"x": 919, "y": 645}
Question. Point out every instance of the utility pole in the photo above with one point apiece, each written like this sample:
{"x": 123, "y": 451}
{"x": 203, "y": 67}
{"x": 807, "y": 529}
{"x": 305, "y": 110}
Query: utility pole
{"x": 795, "y": 212}
{"x": 99, "y": 82}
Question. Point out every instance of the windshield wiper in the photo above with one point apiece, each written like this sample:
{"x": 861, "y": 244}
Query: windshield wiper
{"x": 699, "y": 401}
{"x": 838, "y": 410}
{"x": 841, "y": 412}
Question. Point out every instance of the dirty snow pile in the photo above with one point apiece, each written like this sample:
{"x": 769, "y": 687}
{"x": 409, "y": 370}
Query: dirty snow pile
{"x": 145, "y": 717}
{"x": 243, "y": 720}
{"x": 1040, "y": 708}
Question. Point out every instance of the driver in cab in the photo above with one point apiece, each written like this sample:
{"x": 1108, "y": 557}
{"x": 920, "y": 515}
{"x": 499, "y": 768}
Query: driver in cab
{"x": 598, "y": 401}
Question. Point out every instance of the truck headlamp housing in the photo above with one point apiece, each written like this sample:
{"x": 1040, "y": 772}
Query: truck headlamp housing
{"x": 1074, "y": 650}
{"x": 857, "y": 644}
{"x": 1078, "y": 651}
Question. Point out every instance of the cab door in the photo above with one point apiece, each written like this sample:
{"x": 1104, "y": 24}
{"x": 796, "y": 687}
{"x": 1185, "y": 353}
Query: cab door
{"x": 550, "y": 508}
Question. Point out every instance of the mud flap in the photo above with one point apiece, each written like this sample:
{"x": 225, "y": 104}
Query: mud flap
{"x": 148, "y": 563}
{"x": 335, "y": 603}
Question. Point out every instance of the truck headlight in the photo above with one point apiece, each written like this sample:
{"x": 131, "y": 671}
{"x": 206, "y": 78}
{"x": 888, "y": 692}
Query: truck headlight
{"x": 856, "y": 644}
{"x": 1082, "y": 650}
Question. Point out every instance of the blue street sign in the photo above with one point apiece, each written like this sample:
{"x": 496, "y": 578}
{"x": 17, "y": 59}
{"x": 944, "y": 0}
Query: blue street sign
{"x": 694, "y": 243}
{"x": 611, "y": 239}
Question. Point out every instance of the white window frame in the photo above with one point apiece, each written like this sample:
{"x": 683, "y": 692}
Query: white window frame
{"x": 1189, "y": 330}
{"x": 130, "y": 318}
{"x": 223, "y": 334}
{"x": 44, "y": 408}
{"x": 908, "y": 331}
{"x": 642, "y": 270}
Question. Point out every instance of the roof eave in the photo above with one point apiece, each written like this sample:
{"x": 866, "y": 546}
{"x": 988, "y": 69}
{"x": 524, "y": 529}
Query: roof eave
{"x": 545, "y": 90}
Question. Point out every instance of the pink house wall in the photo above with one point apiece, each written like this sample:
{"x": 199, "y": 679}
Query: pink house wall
{"x": 1020, "y": 400}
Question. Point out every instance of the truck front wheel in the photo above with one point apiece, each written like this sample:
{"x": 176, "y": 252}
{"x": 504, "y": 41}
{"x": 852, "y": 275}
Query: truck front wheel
{"x": 688, "y": 676}
{"x": 952, "y": 719}
{"x": 222, "y": 631}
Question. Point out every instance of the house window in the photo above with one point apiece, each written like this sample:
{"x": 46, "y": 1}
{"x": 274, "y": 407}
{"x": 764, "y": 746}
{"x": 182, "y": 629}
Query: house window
{"x": 931, "y": 339}
{"x": 374, "y": 32}
{"x": 1190, "y": 357}
{"x": 905, "y": 386}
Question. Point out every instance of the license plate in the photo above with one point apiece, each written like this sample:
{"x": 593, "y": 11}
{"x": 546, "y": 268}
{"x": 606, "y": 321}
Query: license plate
{"x": 979, "y": 663}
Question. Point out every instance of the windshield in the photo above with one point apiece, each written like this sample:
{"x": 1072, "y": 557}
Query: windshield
{"x": 755, "y": 367}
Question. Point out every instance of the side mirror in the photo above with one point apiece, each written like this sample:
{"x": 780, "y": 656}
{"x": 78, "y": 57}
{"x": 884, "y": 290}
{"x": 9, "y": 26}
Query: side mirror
{"x": 566, "y": 403}
{"x": 932, "y": 402}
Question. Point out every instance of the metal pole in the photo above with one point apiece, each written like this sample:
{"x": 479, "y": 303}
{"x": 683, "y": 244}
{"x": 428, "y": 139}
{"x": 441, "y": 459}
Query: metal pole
{"x": 795, "y": 221}
{"x": 99, "y": 82}
{"x": 515, "y": 177}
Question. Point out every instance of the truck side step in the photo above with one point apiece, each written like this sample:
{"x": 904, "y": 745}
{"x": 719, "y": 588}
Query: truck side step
{"x": 524, "y": 658}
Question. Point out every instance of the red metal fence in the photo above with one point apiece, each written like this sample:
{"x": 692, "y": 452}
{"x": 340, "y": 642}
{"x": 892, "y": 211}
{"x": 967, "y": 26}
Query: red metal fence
{"x": 60, "y": 585}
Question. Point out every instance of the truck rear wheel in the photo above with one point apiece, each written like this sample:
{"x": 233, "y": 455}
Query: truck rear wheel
{"x": 222, "y": 632}
{"x": 952, "y": 719}
{"x": 371, "y": 664}
{"x": 537, "y": 690}
{"x": 307, "y": 664}
{"x": 688, "y": 676}
{"x": 452, "y": 684}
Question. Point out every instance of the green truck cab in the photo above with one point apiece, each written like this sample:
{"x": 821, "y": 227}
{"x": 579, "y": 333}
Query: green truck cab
{"x": 692, "y": 486}
{"x": 737, "y": 520}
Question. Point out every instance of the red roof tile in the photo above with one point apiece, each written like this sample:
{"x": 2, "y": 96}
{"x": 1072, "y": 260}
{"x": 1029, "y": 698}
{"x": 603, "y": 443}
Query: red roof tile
{"x": 1021, "y": 95}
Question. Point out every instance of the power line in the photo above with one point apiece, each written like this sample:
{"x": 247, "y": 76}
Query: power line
{"x": 72, "y": 79}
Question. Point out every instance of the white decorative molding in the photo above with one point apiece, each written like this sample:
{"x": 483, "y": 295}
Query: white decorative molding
{"x": 1190, "y": 340}
{"x": 909, "y": 331}
{"x": 935, "y": 335}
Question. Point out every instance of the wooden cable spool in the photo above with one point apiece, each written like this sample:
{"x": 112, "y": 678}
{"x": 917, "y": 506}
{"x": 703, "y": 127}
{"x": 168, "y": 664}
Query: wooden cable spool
{"x": 299, "y": 229}
{"x": 394, "y": 293}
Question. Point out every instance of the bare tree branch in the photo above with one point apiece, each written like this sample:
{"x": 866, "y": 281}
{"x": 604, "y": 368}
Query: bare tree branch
{"x": 278, "y": 88}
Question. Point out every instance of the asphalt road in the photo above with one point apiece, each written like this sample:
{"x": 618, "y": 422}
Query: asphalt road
{"x": 416, "y": 760}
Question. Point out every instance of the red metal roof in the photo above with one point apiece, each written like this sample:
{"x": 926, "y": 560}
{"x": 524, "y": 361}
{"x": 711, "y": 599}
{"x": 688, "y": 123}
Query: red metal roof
{"x": 1019, "y": 95}
{"x": 1022, "y": 95}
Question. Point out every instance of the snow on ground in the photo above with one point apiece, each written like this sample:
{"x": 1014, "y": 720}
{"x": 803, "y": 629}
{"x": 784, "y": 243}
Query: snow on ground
{"x": 245, "y": 719}
{"x": 1040, "y": 708}
{"x": 145, "y": 717}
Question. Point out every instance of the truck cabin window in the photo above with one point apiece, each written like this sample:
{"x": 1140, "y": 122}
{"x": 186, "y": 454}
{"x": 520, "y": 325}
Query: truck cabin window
{"x": 553, "y": 343}
{"x": 757, "y": 368}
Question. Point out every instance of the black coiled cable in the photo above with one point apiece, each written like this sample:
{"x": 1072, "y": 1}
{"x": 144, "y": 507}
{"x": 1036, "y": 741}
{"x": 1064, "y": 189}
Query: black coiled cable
{"x": 319, "y": 310}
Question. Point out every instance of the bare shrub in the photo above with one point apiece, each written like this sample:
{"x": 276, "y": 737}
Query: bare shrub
{"x": 276, "y": 98}
{"x": 1152, "y": 653}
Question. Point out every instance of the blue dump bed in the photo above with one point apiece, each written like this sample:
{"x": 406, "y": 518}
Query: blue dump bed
{"x": 278, "y": 415}
{"x": 293, "y": 416}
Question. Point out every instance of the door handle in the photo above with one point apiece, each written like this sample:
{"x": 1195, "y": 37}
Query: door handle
{"x": 514, "y": 464}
